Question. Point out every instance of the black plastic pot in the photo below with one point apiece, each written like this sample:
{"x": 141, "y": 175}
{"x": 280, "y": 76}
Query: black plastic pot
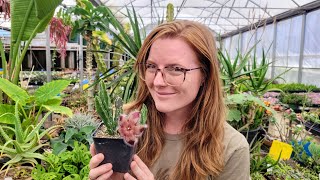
{"x": 254, "y": 135}
{"x": 313, "y": 128}
{"x": 116, "y": 152}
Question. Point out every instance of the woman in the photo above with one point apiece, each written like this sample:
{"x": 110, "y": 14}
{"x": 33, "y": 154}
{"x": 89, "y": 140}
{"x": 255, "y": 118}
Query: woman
{"x": 187, "y": 135}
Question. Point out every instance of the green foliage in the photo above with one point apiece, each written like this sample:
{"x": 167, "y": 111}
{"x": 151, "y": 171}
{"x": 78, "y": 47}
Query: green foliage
{"x": 294, "y": 87}
{"x": 297, "y": 99}
{"x": 21, "y": 128}
{"x": 315, "y": 151}
{"x": 312, "y": 117}
{"x": 78, "y": 121}
{"x": 77, "y": 128}
{"x": 32, "y": 106}
{"x": 257, "y": 82}
{"x": 300, "y": 155}
{"x": 263, "y": 166}
{"x": 124, "y": 79}
{"x": 22, "y": 147}
{"x": 290, "y": 170}
{"x": 245, "y": 72}
{"x": 28, "y": 17}
{"x": 247, "y": 111}
{"x": 259, "y": 162}
{"x": 108, "y": 109}
{"x": 65, "y": 166}
{"x": 234, "y": 72}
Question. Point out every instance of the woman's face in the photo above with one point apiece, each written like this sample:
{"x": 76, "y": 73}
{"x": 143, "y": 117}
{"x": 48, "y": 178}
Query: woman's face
{"x": 173, "y": 54}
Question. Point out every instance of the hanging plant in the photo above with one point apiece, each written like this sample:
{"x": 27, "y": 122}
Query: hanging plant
{"x": 5, "y": 8}
{"x": 59, "y": 33}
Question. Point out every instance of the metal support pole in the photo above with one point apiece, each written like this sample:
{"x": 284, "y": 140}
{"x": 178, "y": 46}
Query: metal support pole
{"x": 274, "y": 47}
{"x": 48, "y": 61}
{"x": 48, "y": 55}
{"x": 81, "y": 59}
{"x": 303, "y": 30}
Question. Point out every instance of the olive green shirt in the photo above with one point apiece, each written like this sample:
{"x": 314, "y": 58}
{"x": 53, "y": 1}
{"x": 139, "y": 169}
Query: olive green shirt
{"x": 236, "y": 156}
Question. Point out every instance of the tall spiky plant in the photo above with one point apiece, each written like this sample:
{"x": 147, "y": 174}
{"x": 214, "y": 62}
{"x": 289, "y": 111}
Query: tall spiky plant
{"x": 90, "y": 19}
{"x": 130, "y": 43}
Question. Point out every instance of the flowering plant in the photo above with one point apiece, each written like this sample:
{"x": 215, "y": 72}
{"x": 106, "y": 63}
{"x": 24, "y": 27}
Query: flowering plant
{"x": 117, "y": 124}
{"x": 248, "y": 112}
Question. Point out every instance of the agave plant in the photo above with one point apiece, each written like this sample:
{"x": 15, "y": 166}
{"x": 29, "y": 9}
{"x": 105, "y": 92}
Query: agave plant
{"x": 257, "y": 83}
{"x": 232, "y": 72}
{"x": 22, "y": 147}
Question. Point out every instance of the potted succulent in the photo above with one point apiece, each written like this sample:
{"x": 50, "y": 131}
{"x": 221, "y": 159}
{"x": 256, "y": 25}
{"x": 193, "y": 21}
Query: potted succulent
{"x": 118, "y": 135}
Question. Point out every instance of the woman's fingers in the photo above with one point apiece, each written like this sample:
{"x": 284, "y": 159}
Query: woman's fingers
{"x": 96, "y": 160}
{"x": 106, "y": 175}
{"x": 140, "y": 170}
{"x": 127, "y": 176}
{"x": 142, "y": 166}
{"x": 102, "y": 172}
{"x": 92, "y": 150}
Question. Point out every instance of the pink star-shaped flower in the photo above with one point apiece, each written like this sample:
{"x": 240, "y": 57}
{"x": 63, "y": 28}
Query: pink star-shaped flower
{"x": 130, "y": 128}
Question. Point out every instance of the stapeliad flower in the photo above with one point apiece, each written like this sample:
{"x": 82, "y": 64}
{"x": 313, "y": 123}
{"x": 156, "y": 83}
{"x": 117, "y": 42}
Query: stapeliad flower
{"x": 129, "y": 127}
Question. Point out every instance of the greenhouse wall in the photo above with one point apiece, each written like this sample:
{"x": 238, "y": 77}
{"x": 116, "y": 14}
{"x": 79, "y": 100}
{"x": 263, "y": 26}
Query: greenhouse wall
{"x": 290, "y": 44}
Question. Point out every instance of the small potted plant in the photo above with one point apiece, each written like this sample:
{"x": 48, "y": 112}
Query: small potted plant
{"x": 118, "y": 135}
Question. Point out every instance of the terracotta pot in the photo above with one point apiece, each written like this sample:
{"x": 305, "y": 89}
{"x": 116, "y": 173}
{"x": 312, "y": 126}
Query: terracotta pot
{"x": 116, "y": 152}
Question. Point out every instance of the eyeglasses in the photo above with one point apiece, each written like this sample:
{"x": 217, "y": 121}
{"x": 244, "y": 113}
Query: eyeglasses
{"x": 172, "y": 75}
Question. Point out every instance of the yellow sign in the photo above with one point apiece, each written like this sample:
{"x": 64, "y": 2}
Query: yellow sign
{"x": 85, "y": 86}
{"x": 282, "y": 148}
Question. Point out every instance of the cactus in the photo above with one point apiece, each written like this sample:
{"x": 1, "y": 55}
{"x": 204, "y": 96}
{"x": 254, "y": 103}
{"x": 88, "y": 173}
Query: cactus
{"x": 170, "y": 13}
{"x": 108, "y": 112}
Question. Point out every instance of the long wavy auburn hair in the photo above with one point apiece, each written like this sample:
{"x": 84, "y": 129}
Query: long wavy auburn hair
{"x": 202, "y": 154}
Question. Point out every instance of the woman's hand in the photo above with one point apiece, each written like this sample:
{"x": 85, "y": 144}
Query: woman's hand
{"x": 139, "y": 169}
{"x": 102, "y": 172}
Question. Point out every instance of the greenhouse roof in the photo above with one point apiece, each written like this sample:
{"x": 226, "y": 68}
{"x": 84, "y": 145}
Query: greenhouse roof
{"x": 225, "y": 17}
{"x": 222, "y": 16}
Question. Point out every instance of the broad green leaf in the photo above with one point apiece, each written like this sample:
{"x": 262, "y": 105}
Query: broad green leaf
{"x": 58, "y": 147}
{"x": 6, "y": 114}
{"x": 87, "y": 129}
{"x": 56, "y": 101}
{"x": 236, "y": 98}
{"x": 15, "y": 92}
{"x": 234, "y": 115}
{"x": 84, "y": 172}
{"x": 22, "y": 22}
{"x": 72, "y": 177}
{"x": 43, "y": 7}
{"x": 50, "y": 90}
{"x": 59, "y": 109}
{"x": 72, "y": 169}
{"x": 69, "y": 133}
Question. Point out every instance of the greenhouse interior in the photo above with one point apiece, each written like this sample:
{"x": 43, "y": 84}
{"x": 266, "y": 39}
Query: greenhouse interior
{"x": 238, "y": 95}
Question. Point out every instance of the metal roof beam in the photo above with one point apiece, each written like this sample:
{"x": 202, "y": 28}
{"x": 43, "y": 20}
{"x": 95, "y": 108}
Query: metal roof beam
{"x": 202, "y": 7}
{"x": 96, "y": 2}
{"x": 291, "y": 13}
